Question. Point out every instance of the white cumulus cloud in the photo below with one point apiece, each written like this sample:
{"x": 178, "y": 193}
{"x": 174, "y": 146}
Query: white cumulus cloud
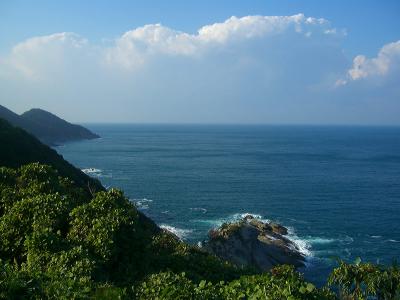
{"x": 384, "y": 64}
{"x": 36, "y": 55}
{"x": 137, "y": 46}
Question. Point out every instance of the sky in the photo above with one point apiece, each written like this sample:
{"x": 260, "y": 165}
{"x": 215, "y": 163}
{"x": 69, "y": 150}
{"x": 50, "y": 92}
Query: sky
{"x": 240, "y": 62}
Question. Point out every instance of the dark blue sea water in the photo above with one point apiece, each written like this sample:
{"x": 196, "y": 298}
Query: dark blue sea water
{"x": 337, "y": 188}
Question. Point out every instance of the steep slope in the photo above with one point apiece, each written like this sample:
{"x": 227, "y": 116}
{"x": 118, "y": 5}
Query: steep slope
{"x": 47, "y": 127}
{"x": 50, "y": 128}
{"x": 13, "y": 118}
{"x": 17, "y": 147}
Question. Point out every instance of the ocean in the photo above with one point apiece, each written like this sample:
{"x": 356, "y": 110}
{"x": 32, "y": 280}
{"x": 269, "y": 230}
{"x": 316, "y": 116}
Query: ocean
{"x": 336, "y": 188}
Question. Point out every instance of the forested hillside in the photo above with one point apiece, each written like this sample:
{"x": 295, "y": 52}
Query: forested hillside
{"x": 48, "y": 128}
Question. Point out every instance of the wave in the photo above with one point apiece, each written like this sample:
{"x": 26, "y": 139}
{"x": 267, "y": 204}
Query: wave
{"x": 303, "y": 246}
{"x": 91, "y": 171}
{"x": 215, "y": 223}
{"x": 94, "y": 172}
{"x": 376, "y": 236}
{"x": 231, "y": 219}
{"x": 201, "y": 209}
{"x": 392, "y": 241}
{"x": 179, "y": 232}
{"x": 141, "y": 203}
{"x": 319, "y": 240}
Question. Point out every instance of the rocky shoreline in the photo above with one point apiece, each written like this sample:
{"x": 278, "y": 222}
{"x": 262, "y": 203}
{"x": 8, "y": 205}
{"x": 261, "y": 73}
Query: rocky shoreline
{"x": 251, "y": 242}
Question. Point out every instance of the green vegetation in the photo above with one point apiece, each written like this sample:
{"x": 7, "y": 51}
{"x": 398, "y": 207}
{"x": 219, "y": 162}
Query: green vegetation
{"x": 283, "y": 283}
{"x": 361, "y": 280}
{"x": 59, "y": 242}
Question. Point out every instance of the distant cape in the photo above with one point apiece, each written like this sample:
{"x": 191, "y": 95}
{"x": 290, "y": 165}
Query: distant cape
{"x": 47, "y": 127}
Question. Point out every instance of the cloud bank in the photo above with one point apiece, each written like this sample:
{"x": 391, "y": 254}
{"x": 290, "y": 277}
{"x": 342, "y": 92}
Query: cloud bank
{"x": 133, "y": 47}
{"x": 253, "y": 69}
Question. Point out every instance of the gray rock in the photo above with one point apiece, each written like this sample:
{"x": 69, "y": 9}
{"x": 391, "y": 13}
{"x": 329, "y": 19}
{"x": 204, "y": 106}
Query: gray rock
{"x": 278, "y": 228}
{"x": 251, "y": 242}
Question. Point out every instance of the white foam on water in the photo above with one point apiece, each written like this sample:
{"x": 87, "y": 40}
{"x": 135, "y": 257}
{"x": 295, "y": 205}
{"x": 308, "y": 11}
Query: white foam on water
{"x": 230, "y": 219}
{"x": 303, "y": 246}
{"x": 246, "y": 214}
{"x": 94, "y": 172}
{"x": 212, "y": 223}
{"x": 240, "y": 216}
{"x": 201, "y": 209}
{"x": 179, "y": 232}
{"x": 91, "y": 171}
{"x": 393, "y": 241}
{"x": 141, "y": 203}
{"x": 318, "y": 240}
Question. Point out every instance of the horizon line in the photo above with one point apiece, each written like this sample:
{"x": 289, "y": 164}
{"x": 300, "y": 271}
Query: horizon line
{"x": 241, "y": 124}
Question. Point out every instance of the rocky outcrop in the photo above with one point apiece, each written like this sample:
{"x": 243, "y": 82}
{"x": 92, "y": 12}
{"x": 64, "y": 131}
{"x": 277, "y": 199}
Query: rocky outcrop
{"x": 251, "y": 242}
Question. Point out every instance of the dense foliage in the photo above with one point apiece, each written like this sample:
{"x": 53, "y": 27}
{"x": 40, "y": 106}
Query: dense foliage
{"x": 362, "y": 280}
{"x": 282, "y": 283}
{"x": 59, "y": 242}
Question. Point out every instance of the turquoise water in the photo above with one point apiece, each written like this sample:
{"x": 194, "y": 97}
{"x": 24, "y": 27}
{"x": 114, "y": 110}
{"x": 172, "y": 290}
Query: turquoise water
{"x": 336, "y": 188}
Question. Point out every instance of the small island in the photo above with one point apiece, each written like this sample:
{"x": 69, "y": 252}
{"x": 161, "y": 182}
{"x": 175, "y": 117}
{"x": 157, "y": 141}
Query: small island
{"x": 250, "y": 242}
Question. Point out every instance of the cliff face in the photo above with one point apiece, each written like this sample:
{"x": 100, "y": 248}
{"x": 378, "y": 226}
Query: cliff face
{"x": 47, "y": 127}
{"x": 250, "y": 242}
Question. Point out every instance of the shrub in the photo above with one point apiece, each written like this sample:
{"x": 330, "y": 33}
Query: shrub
{"x": 362, "y": 280}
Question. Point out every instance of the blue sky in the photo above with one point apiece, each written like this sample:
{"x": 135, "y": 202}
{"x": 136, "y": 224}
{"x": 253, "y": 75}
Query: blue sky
{"x": 296, "y": 70}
